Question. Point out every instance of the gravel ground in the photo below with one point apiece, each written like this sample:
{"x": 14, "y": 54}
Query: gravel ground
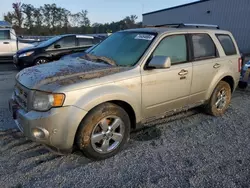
{"x": 187, "y": 150}
{"x": 7, "y": 81}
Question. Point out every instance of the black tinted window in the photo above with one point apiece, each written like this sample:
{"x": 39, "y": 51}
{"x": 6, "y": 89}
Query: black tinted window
{"x": 203, "y": 46}
{"x": 85, "y": 41}
{"x": 4, "y": 34}
{"x": 67, "y": 42}
{"x": 227, "y": 44}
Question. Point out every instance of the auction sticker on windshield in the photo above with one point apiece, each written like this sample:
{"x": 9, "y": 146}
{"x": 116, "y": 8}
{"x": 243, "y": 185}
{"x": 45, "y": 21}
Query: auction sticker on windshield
{"x": 144, "y": 37}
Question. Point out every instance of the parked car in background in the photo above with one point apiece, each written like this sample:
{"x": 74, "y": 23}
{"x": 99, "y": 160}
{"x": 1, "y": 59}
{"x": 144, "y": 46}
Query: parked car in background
{"x": 78, "y": 54}
{"x": 245, "y": 74}
{"x": 132, "y": 77}
{"x": 53, "y": 49}
{"x": 9, "y": 42}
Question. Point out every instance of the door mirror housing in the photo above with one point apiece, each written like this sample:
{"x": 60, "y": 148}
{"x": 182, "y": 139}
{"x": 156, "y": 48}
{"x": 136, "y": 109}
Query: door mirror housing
{"x": 160, "y": 62}
{"x": 57, "y": 46}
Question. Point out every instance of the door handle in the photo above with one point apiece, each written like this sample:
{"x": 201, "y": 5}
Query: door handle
{"x": 5, "y": 42}
{"x": 183, "y": 72}
{"x": 216, "y": 66}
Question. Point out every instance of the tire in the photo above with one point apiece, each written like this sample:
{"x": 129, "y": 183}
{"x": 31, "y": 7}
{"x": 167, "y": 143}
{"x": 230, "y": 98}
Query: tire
{"x": 242, "y": 85}
{"x": 222, "y": 89}
{"x": 94, "y": 132}
{"x": 40, "y": 61}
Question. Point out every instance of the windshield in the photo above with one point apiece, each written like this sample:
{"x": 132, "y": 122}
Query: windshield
{"x": 124, "y": 48}
{"x": 48, "y": 42}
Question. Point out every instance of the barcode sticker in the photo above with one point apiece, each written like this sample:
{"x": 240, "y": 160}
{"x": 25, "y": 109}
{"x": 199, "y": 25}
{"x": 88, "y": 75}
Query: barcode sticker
{"x": 144, "y": 37}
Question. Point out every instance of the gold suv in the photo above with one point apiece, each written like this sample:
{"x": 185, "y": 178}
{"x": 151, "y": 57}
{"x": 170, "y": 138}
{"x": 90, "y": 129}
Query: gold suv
{"x": 132, "y": 77}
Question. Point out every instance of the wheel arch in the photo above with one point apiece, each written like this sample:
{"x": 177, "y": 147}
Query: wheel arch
{"x": 227, "y": 78}
{"x": 40, "y": 57}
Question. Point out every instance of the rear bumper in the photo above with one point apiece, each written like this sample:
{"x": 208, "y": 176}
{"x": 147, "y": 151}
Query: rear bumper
{"x": 57, "y": 126}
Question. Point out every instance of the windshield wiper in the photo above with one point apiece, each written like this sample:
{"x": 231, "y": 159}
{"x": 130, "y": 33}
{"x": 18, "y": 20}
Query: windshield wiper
{"x": 101, "y": 58}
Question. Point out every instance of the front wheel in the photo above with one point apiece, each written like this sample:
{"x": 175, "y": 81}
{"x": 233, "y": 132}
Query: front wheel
{"x": 220, "y": 99}
{"x": 103, "y": 132}
{"x": 40, "y": 61}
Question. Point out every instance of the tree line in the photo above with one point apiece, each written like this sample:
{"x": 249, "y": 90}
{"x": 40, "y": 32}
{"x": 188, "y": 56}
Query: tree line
{"x": 51, "y": 19}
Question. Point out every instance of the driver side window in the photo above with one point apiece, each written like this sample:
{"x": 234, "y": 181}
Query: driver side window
{"x": 174, "y": 47}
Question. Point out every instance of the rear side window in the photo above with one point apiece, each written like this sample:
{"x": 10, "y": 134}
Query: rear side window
{"x": 203, "y": 47}
{"x": 227, "y": 44}
{"x": 85, "y": 41}
{"x": 4, "y": 34}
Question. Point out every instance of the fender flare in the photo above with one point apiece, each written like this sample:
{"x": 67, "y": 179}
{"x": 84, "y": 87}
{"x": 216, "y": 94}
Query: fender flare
{"x": 104, "y": 94}
{"x": 215, "y": 82}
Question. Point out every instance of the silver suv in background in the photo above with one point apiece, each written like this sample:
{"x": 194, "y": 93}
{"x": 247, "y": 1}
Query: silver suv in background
{"x": 132, "y": 77}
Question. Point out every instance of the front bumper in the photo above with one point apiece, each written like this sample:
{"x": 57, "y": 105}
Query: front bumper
{"x": 23, "y": 61}
{"x": 58, "y": 126}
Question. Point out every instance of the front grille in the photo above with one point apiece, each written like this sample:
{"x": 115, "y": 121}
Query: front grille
{"x": 21, "y": 96}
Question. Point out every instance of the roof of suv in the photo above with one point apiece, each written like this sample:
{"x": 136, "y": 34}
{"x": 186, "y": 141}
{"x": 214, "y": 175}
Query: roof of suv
{"x": 160, "y": 30}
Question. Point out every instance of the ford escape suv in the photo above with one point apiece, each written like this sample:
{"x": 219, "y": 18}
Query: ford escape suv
{"x": 132, "y": 77}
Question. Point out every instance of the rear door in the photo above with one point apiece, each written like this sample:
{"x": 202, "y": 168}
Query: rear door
{"x": 64, "y": 46}
{"x": 5, "y": 43}
{"x": 206, "y": 64}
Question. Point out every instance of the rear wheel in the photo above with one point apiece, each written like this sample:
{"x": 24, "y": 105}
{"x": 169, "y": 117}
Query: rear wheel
{"x": 220, "y": 99}
{"x": 103, "y": 132}
{"x": 40, "y": 61}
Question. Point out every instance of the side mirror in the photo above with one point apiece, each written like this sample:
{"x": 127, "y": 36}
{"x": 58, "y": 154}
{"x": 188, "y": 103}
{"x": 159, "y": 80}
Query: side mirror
{"x": 160, "y": 62}
{"x": 56, "y": 46}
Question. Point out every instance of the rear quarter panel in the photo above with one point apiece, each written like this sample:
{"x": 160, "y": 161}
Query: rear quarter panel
{"x": 229, "y": 64}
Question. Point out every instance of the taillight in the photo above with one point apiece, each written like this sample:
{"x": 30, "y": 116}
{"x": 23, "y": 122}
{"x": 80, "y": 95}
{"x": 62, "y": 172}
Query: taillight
{"x": 239, "y": 64}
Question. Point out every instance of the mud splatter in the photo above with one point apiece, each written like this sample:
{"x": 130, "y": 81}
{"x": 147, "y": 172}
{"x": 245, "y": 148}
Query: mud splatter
{"x": 66, "y": 72}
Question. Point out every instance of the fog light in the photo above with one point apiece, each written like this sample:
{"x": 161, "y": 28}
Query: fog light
{"x": 38, "y": 133}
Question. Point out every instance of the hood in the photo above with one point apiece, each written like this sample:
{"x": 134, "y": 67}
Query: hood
{"x": 64, "y": 72}
{"x": 23, "y": 48}
{"x": 74, "y": 55}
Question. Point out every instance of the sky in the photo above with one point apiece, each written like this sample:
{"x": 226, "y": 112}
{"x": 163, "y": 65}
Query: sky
{"x": 102, "y": 11}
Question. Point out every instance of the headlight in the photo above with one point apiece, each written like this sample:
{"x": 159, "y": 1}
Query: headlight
{"x": 26, "y": 54}
{"x": 44, "y": 101}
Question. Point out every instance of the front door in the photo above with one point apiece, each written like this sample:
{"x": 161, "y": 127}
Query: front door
{"x": 64, "y": 46}
{"x": 168, "y": 89}
{"x": 5, "y": 43}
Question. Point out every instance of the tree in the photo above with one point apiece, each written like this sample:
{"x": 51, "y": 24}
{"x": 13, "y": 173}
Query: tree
{"x": 80, "y": 19}
{"x": 38, "y": 17}
{"x": 51, "y": 19}
{"x": 9, "y": 17}
{"x": 84, "y": 20}
{"x": 28, "y": 10}
{"x": 65, "y": 20}
{"x": 47, "y": 15}
{"x": 17, "y": 14}
{"x": 130, "y": 21}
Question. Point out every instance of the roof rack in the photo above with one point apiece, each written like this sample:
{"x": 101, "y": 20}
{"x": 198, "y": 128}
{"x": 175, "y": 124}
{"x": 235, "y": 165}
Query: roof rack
{"x": 183, "y": 25}
{"x": 4, "y": 24}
